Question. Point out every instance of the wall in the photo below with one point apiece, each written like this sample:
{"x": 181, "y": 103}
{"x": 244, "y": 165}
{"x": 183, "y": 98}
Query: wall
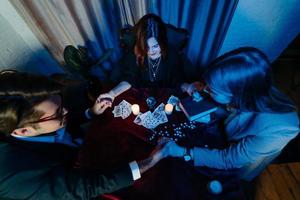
{"x": 19, "y": 48}
{"x": 266, "y": 24}
{"x": 269, "y": 25}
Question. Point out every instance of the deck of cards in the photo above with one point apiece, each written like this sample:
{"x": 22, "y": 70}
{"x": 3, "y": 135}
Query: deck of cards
{"x": 152, "y": 120}
{"x": 122, "y": 110}
{"x": 149, "y": 120}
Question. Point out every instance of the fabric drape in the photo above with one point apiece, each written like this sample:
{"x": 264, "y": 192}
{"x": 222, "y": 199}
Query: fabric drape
{"x": 96, "y": 23}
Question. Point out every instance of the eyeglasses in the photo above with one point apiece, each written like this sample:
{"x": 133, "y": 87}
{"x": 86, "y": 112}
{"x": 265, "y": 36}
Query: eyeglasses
{"x": 59, "y": 115}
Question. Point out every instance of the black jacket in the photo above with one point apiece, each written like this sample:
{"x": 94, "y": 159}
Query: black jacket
{"x": 170, "y": 73}
{"x": 35, "y": 170}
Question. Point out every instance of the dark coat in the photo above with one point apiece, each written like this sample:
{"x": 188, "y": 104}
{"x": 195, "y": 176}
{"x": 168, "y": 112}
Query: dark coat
{"x": 170, "y": 73}
{"x": 35, "y": 170}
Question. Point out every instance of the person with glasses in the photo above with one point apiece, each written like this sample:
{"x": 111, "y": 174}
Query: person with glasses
{"x": 37, "y": 148}
{"x": 261, "y": 122}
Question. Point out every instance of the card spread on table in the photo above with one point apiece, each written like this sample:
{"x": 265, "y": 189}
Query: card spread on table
{"x": 149, "y": 121}
{"x": 139, "y": 119}
{"x": 122, "y": 110}
{"x": 152, "y": 120}
{"x": 160, "y": 115}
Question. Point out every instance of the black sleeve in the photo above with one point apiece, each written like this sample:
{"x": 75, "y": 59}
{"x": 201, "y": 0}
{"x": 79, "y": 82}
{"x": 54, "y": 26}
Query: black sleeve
{"x": 129, "y": 69}
{"x": 32, "y": 170}
{"x": 175, "y": 73}
{"x": 59, "y": 183}
{"x": 190, "y": 71}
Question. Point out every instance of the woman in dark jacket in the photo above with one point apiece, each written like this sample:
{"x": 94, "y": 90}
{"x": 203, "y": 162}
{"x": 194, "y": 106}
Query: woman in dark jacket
{"x": 152, "y": 61}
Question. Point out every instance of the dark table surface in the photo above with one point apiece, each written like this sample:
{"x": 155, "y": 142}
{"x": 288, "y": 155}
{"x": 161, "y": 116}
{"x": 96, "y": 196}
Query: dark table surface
{"x": 111, "y": 141}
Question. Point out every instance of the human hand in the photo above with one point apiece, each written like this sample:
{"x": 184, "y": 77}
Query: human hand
{"x": 156, "y": 155}
{"x": 102, "y": 103}
{"x": 172, "y": 149}
{"x": 191, "y": 88}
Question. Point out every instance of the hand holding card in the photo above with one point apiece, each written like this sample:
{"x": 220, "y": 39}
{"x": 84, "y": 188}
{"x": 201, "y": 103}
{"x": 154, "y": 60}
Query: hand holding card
{"x": 101, "y": 105}
{"x": 122, "y": 110}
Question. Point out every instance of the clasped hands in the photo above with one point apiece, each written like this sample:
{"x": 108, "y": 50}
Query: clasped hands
{"x": 165, "y": 148}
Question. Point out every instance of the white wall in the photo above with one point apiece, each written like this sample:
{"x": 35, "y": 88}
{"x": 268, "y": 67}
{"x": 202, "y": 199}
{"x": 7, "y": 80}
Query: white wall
{"x": 269, "y": 25}
{"x": 19, "y": 48}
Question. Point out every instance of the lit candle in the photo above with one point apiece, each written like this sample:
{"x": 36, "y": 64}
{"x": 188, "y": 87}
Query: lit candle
{"x": 135, "y": 109}
{"x": 168, "y": 109}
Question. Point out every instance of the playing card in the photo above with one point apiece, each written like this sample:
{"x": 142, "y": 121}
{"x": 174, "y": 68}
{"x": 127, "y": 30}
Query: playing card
{"x": 160, "y": 115}
{"x": 139, "y": 119}
{"x": 161, "y": 107}
{"x": 117, "y": 111}
{"x": 122, "y": 110}
{"x": 149, "y": 121}
{"x": 173, "y": 100}
{"x": 125, "y": 109}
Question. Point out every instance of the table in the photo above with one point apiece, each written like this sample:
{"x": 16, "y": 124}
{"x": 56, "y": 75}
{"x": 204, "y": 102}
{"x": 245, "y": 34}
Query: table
{"x": 112, "y": 141}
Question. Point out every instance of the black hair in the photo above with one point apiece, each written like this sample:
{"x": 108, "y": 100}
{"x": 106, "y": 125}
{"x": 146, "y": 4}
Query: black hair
{"x": 246, "y": 74}
{"x": 148, "y": 26}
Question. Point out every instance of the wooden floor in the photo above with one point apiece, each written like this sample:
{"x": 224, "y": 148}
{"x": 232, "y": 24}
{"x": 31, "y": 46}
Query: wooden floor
{"x": 279, "y": 181}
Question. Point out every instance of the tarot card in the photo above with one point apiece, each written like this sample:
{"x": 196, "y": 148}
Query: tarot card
{"x": 173, "y": 100}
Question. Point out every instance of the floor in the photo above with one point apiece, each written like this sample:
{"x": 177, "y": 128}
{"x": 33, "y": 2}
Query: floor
{"x": 281, "y": 180}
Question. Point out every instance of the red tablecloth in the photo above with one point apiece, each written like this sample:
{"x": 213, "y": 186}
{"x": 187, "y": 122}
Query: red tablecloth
{"x": 111, "y": 141}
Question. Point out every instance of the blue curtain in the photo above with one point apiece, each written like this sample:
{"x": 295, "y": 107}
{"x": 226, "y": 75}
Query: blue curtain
{"x": 97, "y": 23}
{"x": 206, "y": 21}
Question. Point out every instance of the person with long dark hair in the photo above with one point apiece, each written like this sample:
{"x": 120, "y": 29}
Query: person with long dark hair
{"x": 37, "y": 146}
{"x": 262, "y": 121}
{"x": 152, "y": 61}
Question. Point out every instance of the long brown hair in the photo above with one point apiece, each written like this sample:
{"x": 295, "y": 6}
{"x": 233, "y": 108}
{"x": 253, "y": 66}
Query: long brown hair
{"x": 148, "y": 26}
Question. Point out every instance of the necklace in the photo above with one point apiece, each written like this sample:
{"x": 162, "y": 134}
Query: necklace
{"x": 153, "y": 68}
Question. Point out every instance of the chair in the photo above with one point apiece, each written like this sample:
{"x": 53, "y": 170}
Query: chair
{"x": 177, "y": 37}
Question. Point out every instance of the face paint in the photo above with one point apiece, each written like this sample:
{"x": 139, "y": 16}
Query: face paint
{"x": 154, "y": 50}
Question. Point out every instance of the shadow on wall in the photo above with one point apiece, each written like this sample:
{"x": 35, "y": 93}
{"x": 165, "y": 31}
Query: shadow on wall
{"x": 39, "y": 62}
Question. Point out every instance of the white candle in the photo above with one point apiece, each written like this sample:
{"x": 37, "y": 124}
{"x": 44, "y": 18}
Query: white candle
{"x": 135, "y": 109}
{"x": 168, "y": 109}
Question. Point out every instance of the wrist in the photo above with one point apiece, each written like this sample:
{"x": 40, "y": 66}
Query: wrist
{"x": 144, "y": 165}
{"x": 188, "y": 154}
{"x": 182, "y": 151}
{"x": 112, "y": 93}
